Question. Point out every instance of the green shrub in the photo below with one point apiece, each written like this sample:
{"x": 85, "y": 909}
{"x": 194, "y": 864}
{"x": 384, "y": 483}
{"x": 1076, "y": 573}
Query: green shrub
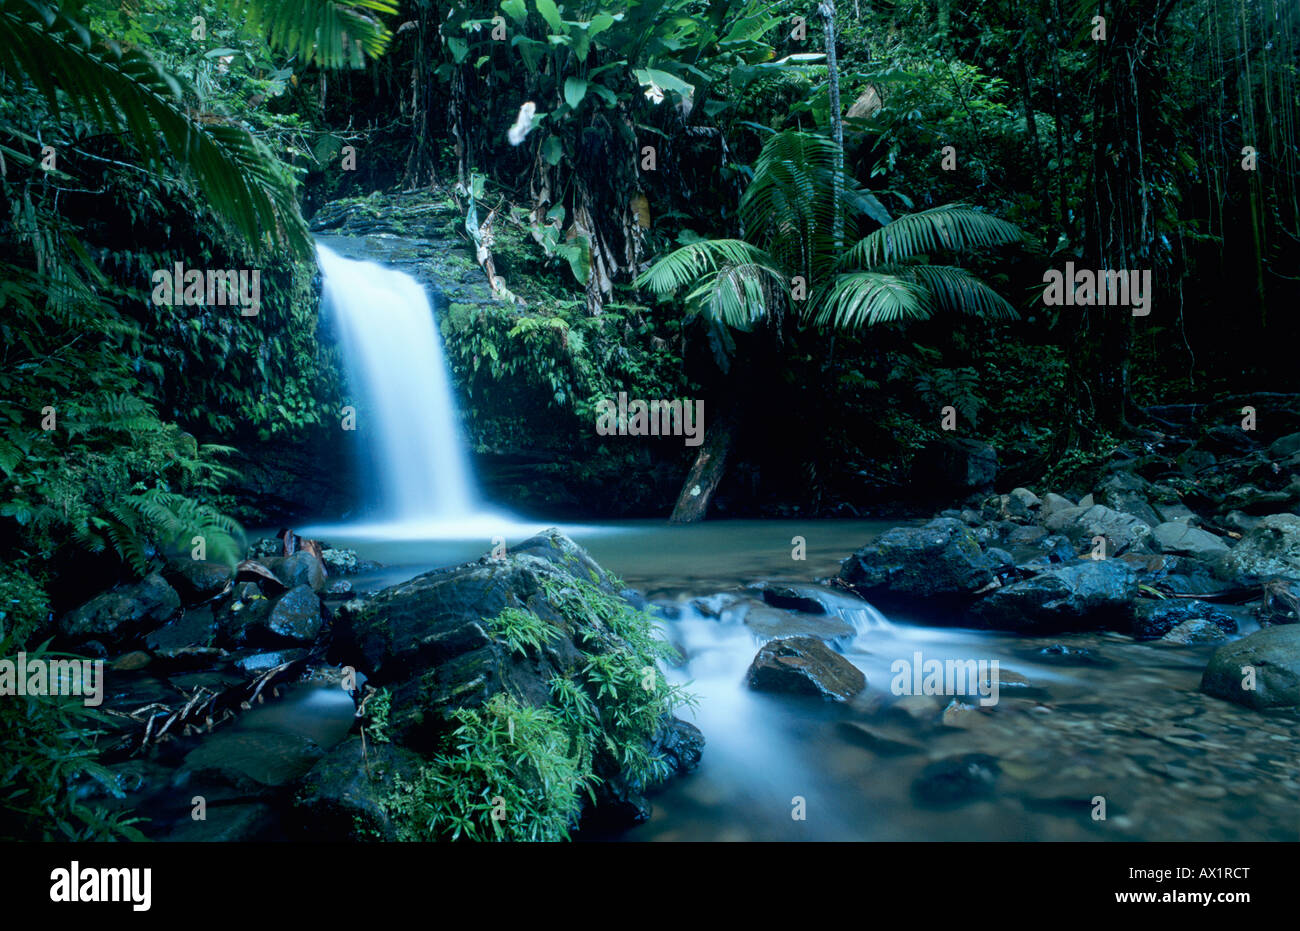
{"x": 47, "y": 749}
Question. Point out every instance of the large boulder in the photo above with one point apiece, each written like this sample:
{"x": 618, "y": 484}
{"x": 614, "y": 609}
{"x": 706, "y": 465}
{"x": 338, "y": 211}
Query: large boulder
{"x": 943, "y": 558}
{"x": 1053, "y": 503}
{"x": 543, "y": 622}
{"x": 805, "y": 665}
{"x": 1271, "y": 550}
{"x": 124, "y": 612}
{"x": 1260, "y": 671}
{"x": 1085, "y": 595}
{"x": 955, "y": 465}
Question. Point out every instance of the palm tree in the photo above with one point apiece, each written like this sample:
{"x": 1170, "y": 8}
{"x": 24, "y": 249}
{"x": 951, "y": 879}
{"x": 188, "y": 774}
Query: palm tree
{"x": 793, "y": 255}
{"x": 124, "y": 91}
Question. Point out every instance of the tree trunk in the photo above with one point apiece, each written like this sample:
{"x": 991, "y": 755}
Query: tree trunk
{"x": 710, "y": 465}
{"x": 827, "y": 9}
{"x": 421, "y": 168}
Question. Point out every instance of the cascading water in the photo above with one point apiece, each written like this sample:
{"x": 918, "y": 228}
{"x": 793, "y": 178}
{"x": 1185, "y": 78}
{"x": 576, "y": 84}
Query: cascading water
{"x": 422, "y": 483}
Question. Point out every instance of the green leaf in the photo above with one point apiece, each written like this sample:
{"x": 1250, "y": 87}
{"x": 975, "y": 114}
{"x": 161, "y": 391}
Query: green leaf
{"x": 552, "y": 150}
{"x": 653, "y": 77}
{"x": 574, "y": 90}
{"x": 551, "y": 13}
{"x": 605, "y": 94}
{"x": 516, "y": 10}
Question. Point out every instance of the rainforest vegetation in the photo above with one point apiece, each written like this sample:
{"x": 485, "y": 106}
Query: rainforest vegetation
{"x": 830, "y": 221}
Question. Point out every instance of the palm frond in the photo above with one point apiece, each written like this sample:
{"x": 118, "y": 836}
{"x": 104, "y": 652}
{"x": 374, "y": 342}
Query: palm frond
{"x": 687, "y": 264}
{"x": 125, "y": 91}
{"x": 738, "y": 295}
{"x": 323, "y": 32}
{"x": 866, "y": 298}
{"x": 957, "y": 289}
{"x": 952, "y": 227}
{"x": 789, "y": 208}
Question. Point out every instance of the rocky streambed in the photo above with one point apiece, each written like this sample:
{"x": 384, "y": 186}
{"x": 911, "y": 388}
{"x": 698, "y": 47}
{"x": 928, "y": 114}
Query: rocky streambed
{"x": 1147, "y": 681}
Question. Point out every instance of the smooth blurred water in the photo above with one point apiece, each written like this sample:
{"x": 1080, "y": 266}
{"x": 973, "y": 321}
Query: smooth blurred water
{"x": 393, "y": 354}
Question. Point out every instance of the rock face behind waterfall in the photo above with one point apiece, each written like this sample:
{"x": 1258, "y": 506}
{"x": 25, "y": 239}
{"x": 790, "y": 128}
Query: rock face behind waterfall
{"x": 434, "y": 644}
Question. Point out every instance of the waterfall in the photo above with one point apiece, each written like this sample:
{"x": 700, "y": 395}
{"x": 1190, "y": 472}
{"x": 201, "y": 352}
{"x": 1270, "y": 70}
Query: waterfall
{"x": 406, "y": 417}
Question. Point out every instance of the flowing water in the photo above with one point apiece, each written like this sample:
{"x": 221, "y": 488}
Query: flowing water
{"x": 1079, "y": 717}
{"x": 1093, "y": 736}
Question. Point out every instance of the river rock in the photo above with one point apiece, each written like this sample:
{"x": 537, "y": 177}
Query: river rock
{"x": 805, "y": 665}
{"x": 770, "y": 623}
{"x": 1085, "y": 595}
{"x": 1019, "y": 506}
{"x": 300, "y": 568}
{"x": 1061, "y": 519}
{"x": 1026, "y": 536}
{"x": 1284, "y": 447}
{"x": 1178, "y": 537}
{"x": 1273, "y": 654}
{"x": 340, "y": 798}
{"x": 1155, "y": 619}
{"x": 1271, "y": 550}
{"x": 1128, "y": 494}
{"x": 253, "y": 760}
{"x": 1123, "y": 532}
{"x": 942, "y": 558}
{"x": 296, "y": 616}
{"x": 124, "y": 612}
{"x": 187, "y": 641}
{"x": 1053, "y": 503}
{"x": 255, "y": 664}
{"x": 1194, "y": 631}
{"x": 197, "y": 580}
{"x": 956, "y": 781}
{"x": 1254, "y": 500}
{"x": 244, "y": 613}
{"x": 340, "y": 562}
{"x": 808, "y": 598}
{"x": 681, "y": 744}
{"x": 238, "y": 823}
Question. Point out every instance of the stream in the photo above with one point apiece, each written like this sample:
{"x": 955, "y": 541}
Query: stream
{"x": 1082, "y": 721}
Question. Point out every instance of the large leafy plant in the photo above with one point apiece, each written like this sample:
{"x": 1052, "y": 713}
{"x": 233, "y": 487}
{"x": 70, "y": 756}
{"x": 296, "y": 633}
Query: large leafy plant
{"x": 791, "y": 256}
